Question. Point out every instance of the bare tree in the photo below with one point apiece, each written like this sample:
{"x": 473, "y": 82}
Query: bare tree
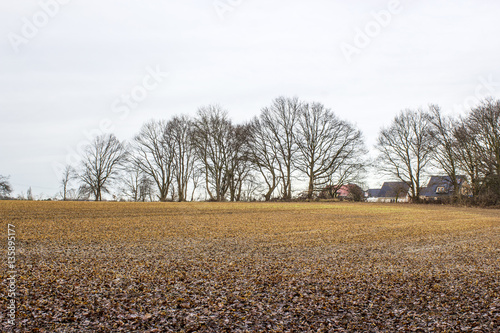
{"x": 484, "y": 120}
{"x": 102, "y": 161}
{"x": 179, "y": 129}
{"x": 405, "y": 149}
{"x": 279, "y": 119}
{"x": 196, "y": 177}
{"x": 69, "y": 174}
{"x": 72, "y": 194}
{"x": 445, "y": 151}
{"x": 29, "y": 194}
{"x": 153, "y": 154}
{"x": 329, "y": 150}
{"x": 468, "y": 154}
{"x": 173, "y": 194}
{"x": 264, "y": 156}
{"x": 132, "y": 181}
{"x": 238, "y": 166}
{"x": 146, "y": 189}
{"x": 5, "y": 187}
{"x": 250, "y": 187}
{"x": 84, "y": 192}
{"x": 478, "y": 147}
{"x": 211, "y": 135}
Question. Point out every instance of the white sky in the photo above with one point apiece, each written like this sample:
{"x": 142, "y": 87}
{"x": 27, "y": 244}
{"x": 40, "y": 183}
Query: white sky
{"x": 63, "y": 79}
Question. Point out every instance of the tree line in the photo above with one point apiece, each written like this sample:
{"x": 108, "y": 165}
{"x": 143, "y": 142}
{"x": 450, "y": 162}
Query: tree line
{"x": 290, "y": 141}
{"x": 421, "y": 140}
{"x": 260, "y": 159}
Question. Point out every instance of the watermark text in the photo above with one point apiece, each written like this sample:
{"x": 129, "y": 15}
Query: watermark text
{"x": 11, "y": 275}
{"x": 364, "y": 36}
{"x": 31, "y": 26}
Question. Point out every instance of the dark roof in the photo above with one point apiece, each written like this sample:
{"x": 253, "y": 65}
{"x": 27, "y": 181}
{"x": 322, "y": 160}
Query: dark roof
{"x": 390, "y": 189}
{"x": 440, "y": 181}
{"x": 374, "y": 192}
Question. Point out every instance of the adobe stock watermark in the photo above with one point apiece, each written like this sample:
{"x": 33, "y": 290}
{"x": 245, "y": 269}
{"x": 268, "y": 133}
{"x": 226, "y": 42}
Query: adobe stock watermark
{"x": 222, "y": 7}
{"x": 372, "y": 29}
{"x": 121, "y": 108}
{"x": 486, "y": 87}
{"x": 31, "y": 26}
{"x": 11, "y": 275}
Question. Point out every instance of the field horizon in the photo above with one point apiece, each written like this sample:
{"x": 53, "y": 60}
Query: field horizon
{"x": 279, "y": 267}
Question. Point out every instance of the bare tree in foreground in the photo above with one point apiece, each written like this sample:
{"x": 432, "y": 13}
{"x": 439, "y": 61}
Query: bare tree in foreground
{"x": 468, "y": 154}
{"x": 212, "y": 130}
{"x": 405, "y": 149}
{"x": 238, "y": 166}
{"x": 445, "y": 151}
{"x": 153, "y": 154}
{"x": 196, "y": 178}
{"x": 280, "y": 119}
{"x": 179, "y": 129}
{"x": 478, "y": 149}
{"x": 484, "y": 122}
{"x": 264, "y": 156}
{"x": 329, "y": 150}
{"x": 101, "y": 164}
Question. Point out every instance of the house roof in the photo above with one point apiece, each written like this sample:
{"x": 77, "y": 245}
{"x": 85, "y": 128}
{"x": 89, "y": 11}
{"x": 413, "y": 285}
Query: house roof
{"x": 440, "y": 181}
{"x": 374, "y": 192}
{"x": 391, "y": 189}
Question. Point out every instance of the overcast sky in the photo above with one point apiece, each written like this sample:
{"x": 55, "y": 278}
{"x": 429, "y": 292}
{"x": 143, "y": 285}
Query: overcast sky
{"x": 68, "y": 67}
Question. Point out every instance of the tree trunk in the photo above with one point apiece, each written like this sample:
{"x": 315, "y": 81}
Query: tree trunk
{"x": 311, "y": 187}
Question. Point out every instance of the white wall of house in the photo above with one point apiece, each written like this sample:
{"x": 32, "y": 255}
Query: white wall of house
{"x": 388, "y": 200}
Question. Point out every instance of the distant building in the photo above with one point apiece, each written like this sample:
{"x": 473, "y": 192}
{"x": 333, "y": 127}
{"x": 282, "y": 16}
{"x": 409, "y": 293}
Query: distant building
{"x": 390, "y": 192}
{"x": 351, "y": 192}
{"x": 440, "y": 187}
{"x": 345, "y": 192}
{"x": 373, "y": 193}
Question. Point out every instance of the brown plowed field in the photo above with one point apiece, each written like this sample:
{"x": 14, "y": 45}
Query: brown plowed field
{"x": 237, "y": 267}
